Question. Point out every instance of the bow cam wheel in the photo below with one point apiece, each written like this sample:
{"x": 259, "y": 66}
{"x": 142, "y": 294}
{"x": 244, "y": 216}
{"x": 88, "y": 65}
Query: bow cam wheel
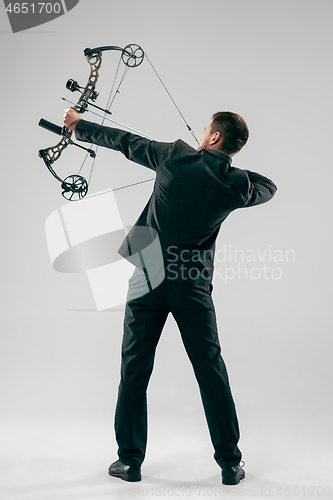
{"x": 132, "y": 55}
{"x": 74, "y": 187}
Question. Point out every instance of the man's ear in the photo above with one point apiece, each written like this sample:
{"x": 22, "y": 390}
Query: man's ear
{"x": 215, "y": 138}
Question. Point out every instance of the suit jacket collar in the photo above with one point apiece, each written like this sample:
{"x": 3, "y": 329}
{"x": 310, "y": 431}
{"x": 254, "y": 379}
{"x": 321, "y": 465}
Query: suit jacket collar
{"x": 221, "y": 155}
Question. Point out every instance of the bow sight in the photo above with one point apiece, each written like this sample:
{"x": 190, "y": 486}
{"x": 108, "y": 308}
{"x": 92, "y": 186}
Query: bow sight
{"x": 73, "y": 86}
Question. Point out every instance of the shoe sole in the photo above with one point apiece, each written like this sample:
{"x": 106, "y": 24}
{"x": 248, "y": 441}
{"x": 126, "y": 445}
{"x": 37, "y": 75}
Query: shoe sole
{"x": 132, "y": 478}
{"x": 232, "y": 481}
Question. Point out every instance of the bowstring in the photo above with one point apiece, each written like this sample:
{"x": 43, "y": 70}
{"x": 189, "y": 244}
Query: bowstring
{"x": 173, "y": 101}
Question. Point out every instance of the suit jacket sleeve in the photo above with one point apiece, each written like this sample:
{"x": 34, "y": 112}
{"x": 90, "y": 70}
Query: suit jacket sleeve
{"x": 260, "y": 189}
{"x": 148, "y": 153}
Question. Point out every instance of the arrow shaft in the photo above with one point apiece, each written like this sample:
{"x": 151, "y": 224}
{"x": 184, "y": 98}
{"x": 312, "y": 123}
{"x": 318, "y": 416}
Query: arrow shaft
{"x": 113, "y": 121}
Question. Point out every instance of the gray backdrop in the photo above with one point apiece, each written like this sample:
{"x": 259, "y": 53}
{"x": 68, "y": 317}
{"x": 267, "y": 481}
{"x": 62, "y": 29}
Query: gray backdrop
{"x": 268, "y": 60}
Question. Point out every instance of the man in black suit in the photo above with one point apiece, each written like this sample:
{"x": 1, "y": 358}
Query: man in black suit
{"x": 194, "y": 192}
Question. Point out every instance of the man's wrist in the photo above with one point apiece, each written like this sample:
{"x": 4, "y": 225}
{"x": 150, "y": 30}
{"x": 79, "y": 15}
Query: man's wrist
{"x": 74, "y": 123}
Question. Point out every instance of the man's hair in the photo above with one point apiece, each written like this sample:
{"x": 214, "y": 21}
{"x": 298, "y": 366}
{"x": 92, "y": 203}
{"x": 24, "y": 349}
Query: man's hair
{"x": 233, "y": 130}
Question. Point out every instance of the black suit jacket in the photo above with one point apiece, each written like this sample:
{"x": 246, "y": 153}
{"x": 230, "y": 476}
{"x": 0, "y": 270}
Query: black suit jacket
{"x": 193, "y": 194}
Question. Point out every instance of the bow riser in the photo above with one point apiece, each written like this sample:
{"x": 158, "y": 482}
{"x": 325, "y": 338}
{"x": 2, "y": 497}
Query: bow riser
{"x": 94, "y": 62}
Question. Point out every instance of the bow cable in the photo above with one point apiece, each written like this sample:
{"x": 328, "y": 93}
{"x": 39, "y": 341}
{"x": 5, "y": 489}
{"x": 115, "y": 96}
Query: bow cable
{"x": 106, "y": 111}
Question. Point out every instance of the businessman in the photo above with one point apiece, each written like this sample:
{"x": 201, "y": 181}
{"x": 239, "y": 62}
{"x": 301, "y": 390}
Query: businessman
{"x": 194, "y": 192}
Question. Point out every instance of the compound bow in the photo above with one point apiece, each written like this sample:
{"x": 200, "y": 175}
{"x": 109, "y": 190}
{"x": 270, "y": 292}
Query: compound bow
{"x": 75, "y": 186}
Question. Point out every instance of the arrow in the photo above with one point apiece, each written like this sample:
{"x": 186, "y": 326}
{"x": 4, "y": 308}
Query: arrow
{"x": 113, "y": 121}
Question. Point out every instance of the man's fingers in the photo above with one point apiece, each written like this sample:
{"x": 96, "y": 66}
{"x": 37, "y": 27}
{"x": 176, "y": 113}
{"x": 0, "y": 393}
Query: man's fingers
{"x": 71, "y": 117}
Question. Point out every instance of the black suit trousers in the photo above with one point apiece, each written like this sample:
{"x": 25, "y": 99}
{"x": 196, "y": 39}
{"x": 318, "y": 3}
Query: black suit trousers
{"x": 193, "y": 309}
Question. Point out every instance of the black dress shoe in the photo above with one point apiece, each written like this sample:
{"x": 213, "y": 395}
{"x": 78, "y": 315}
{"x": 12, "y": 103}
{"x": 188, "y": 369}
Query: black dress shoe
{"x": 232, "y": 475}
{"x": 125, "y": 472}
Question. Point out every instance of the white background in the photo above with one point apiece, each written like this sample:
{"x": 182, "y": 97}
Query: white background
{"x": 269, "y": 61}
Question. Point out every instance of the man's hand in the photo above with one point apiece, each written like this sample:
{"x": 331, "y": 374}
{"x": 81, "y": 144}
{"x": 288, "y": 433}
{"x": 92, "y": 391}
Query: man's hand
{"x": 71, "y": 118}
